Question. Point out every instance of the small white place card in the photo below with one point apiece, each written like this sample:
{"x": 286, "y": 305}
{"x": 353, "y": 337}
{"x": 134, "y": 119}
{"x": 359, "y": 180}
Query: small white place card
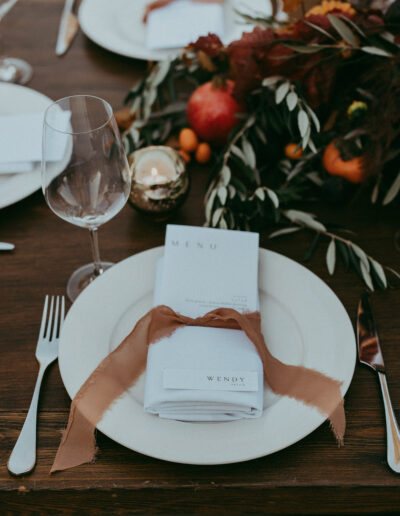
{"x": 183, "y": 22}
{"x": 210, "y": 379}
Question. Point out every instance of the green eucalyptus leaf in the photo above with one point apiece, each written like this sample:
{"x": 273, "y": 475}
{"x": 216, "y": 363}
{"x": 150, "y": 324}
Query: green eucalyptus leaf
{"x": 379, "y": 271}
{"x": 366, "y": 275}
{"x": 274, "y": 198}
{"x": 271, "y": 81}
{"x": 393, "y": 191}
{"x": 352, "y": 24}
{"x": 303, "y": 122}
{"x": 291, "y": 100}
{"x": 210, "y": 204}
{"x": 260, "y": 193}
{"x": 216, "y": 216}
{"x": 231, "y": 191}
{"x": 304, "y": 49}
{"x": 225, "y": 175}
{"x": 249, "y": 152}
{"x": 318, "y": 28}
{"x": 343, "y": 30}
{"x": 238, "y": 152}
{"x": 331, "y": 256}
{"x": 375, "y": 193}
{"x": 285, "y": 231}
{"x": 281, "y": 92}
{"x": 376, "y": 51}
{"x": 361, "y": 254}
{"x": 223, "y": 224}
{"x": 260, "y": 134}
{"x": 222, "y": 194}
{"x": 314, "y": 119}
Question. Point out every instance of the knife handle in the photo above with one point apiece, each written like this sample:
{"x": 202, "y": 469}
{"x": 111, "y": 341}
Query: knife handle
{"x": 392, "y": 428}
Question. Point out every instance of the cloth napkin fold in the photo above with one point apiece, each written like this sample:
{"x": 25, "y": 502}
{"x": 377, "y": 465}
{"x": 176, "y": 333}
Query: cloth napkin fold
{"x": 121, "y": 368}
{"x": 21, "y": 141}
{"x": 199, "y": 359}
{"x": 174, "y": 24}
{"x": 195, "y": 354}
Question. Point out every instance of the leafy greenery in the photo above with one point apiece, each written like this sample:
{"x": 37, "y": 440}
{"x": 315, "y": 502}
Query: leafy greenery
{"x": 253, "y": 184}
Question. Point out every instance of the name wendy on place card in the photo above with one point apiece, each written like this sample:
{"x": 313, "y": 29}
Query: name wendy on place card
{"x": 210, "y": 379}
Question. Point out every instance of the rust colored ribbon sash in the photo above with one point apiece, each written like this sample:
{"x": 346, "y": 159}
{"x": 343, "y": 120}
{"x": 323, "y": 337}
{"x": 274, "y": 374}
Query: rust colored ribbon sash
{"x": 123, "y": 366}
{"x": 157, "y": 4}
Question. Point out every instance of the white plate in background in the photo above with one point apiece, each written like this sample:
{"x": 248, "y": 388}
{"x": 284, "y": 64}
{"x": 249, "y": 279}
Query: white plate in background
{"x": 117, "y": 25}
{"x": 15, "y": 99}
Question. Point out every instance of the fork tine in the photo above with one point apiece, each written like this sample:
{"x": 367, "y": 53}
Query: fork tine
{"x": 62, "y": 313}
{"x": 50, "y": 318}
{"x": 55, "y": 320}
{"x": 44, "y": 317}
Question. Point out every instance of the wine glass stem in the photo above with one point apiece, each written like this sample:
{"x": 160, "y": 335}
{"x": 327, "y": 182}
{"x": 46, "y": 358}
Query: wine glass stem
{"x": 95, "y": 251}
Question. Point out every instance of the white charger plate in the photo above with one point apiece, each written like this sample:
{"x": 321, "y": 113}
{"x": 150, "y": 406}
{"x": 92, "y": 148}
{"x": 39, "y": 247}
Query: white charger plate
{"x": 303, "y": 323}
{"x": 117, "y": 25}
{"x": 15, "y": 99}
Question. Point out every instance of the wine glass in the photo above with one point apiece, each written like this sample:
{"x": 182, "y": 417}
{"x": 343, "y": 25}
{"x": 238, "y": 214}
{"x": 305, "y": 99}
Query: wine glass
{"x": 86, "y": 178}
{"x": 13, "y": 69}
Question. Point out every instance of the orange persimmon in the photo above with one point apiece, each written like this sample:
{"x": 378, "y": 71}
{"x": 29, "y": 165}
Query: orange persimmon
{"x": 188, "y": 140}
{"x": 203, "y": 152}
{"x": 293, "y": 151}
{"x": 352, "y": 169}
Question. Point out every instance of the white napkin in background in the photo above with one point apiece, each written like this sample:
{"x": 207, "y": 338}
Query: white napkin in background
{"x": 197, "y": 353}
{"x": 17, "y": 166}
{"x": 21, "y": 141}
{"x": 182, "y": 22}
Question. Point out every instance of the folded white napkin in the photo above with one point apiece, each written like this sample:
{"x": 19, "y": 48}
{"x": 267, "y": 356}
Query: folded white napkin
{"x": 205, "y": 374}
{"x": 182, "y": 22}
{"x": 21, "y": 141}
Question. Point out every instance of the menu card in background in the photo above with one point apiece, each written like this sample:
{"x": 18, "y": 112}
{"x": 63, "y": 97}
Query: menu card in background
{"x": 182, "y": 22}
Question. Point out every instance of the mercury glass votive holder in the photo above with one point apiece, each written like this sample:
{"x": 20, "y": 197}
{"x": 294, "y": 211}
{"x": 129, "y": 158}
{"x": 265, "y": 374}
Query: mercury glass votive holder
{"x": 160, "y": 181}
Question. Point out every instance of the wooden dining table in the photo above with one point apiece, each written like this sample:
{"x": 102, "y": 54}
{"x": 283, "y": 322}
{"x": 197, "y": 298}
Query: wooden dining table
{"x": 313, "y": 476}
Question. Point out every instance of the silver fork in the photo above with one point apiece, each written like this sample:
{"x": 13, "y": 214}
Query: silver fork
{"x": 23, "y": 457}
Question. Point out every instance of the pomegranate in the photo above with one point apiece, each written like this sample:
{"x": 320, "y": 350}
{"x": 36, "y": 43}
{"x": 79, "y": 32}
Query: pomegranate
{"x": 211, "y": 112}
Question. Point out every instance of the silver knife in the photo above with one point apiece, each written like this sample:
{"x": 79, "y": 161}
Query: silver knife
{"x": 5, "y": 246}
{"x": 68, "y": 28}
{"x": 370, "y": 354}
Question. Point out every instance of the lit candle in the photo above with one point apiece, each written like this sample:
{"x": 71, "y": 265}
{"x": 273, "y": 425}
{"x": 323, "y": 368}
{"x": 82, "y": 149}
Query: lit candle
{"x": 160, "y": 181}
{"x": 155, "y": 167}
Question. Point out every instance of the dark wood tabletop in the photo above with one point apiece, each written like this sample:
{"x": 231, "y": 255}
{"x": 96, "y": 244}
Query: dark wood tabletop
{"x": 313, "y": 476}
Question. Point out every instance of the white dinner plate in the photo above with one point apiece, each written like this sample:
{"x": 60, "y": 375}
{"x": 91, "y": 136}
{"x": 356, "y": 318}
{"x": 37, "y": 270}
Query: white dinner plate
{"x": 303, "y": 323}
{"x": 15, "y": 99}
{"x": 117, "y": 25}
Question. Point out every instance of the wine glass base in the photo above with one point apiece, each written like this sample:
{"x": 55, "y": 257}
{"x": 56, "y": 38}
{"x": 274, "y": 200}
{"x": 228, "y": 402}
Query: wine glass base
{"x": 83, "y": 277}
{"x": 15, "y": 70}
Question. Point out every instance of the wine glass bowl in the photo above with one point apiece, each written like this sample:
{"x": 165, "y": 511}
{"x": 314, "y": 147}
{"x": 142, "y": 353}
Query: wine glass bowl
{"x": 86, "y": 179}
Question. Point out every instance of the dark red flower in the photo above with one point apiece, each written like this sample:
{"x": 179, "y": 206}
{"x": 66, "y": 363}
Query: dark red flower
{"x": 210, "y": 45}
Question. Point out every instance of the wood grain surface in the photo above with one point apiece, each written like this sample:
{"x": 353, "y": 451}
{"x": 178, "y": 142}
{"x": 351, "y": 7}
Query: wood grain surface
{"x": 310, "y": 477}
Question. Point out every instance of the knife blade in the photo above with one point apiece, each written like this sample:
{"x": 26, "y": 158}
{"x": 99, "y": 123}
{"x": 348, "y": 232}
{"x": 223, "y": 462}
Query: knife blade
{"x": 68, "y": 28}
{"x": 5, "y": 246}
{"x": 370, "y": 354}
